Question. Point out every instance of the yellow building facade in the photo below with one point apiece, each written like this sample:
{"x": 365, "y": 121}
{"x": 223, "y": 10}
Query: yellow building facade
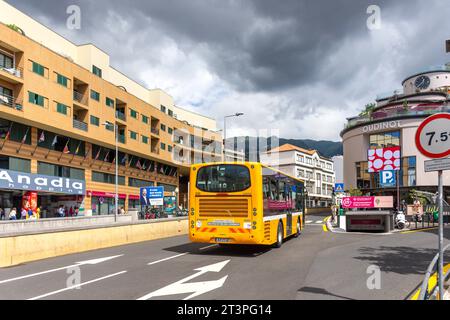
{"x": 57, "y": 116}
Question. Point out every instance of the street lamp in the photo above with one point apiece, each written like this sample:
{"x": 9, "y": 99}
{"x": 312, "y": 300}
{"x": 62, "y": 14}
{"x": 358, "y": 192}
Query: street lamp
{"x": 116, "y": 196}
{"x": 225, "y": 129}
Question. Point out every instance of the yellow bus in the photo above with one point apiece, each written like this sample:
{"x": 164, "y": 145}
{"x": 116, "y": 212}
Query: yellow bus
{"x": 244, "y": 203}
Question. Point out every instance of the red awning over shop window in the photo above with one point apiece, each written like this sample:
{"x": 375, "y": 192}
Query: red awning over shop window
{"x": 104, "y": 194}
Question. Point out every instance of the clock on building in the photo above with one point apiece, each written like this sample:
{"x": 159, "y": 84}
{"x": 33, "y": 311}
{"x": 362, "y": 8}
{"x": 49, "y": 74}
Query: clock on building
{"x": 422, "y": 82}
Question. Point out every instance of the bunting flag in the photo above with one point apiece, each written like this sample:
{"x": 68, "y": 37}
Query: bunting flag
{"x": 124, "y": 160}
{"x": 106, "y": 157}
{"x": 87, "y": 153}
{"x": 150, "y": 166}
{"x": 143, "y": 166}
{"x": 42, "y": 137}
{"x": 138, "y": 164}
{"x": 66, "y": 148}
{"x": 98, "y": 154}
{"x": 24, "y": 139}
{"x": 7, "y": 136}
{"x": 76, "y": 152}
{"x": 55, "y": 141}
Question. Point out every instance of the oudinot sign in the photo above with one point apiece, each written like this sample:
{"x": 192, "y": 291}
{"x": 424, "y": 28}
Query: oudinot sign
{"x": 13, "y": 180}
{"x": 382, "y": 126}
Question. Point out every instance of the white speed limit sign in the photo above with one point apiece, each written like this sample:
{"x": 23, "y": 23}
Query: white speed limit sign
{"x": 433, "y": 136}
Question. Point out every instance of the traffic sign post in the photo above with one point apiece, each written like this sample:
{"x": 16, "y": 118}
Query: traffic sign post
{"x": 433, "y": 141}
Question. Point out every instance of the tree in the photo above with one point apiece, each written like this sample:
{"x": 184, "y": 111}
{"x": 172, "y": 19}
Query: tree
{"x": 368, "y": 109}
{"x": 355, "y": 192}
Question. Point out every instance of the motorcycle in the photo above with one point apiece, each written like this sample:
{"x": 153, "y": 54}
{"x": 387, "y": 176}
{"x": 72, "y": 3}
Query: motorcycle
{"x": 400, "y": 220}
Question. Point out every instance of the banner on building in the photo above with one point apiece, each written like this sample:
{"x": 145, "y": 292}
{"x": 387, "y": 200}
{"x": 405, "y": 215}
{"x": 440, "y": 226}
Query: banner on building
{"x": 385, "y": 159}
{"x": 368, "y": 202}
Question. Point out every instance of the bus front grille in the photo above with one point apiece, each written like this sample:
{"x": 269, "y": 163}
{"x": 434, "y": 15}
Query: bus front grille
{"x": 223, "y": 207}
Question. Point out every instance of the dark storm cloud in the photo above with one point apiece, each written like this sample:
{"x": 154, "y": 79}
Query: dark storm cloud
{"x": 287, "y": 59}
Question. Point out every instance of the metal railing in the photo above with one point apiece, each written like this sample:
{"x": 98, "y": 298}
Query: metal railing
{"x": 425, "y": 292}
{"x": 80, "y": 125}
{"x": 11, "y": 102}
{"x": 394, "y": 113}
{"x": 15, "y": 71}
{"x": 77, "y": 96}
{"x": 120, "y": 116}
{"x": 429, "y": 218}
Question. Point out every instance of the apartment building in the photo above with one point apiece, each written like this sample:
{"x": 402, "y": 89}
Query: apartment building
{"x": 62, "y": 107}
{"x": 307, "y": 165}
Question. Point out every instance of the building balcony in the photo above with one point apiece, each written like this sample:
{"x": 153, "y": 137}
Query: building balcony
{"x": 80, "y": 125}
{"x": 13, "y": 74}
{"x": 392, "y": 114}
{"x": 155, "y": 131}
{"x": 79, "y": 97}
{"x": 10, "y": 102}
{"x": 121, "y": 139}
{"x": 121, "y": 116}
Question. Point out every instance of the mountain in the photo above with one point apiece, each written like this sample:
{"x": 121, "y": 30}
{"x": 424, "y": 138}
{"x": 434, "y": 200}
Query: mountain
{"x": 253, "y": 146}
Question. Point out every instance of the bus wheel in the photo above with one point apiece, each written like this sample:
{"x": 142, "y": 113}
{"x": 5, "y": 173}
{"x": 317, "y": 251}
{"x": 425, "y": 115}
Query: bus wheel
{"x": 299, "y": 232}
{"x": 279, "y": 235}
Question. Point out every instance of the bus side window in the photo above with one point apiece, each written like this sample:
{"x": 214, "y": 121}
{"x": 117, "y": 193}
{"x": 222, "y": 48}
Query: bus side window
{"x": 273, "y": 190}
{"x": 266, "y": 188}
{"x": 281, "y": 191}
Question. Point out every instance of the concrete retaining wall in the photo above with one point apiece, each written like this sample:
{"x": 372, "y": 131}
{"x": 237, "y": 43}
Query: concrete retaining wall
{"x": 20, "y": 249}
{"x": 317, "y": 210}
{"x": 21, "y": 227}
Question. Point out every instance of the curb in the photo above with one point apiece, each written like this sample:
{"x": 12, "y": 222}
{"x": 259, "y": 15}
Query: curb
{"x": 333, "y": 230}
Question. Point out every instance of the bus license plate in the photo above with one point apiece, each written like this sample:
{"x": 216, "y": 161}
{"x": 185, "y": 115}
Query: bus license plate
{"x": 223, "y": 240}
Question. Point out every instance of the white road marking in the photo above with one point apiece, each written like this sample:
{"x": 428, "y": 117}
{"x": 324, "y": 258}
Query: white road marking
{"x": 207, "y": 247}
{"x": 91, "y": 262}
{"x": 196, "y": 288}
{"x": 169, "y": 258}
{"x": 77, "y": 286}
{"x": 309, "y": 221}
{"x": 319, "y": 221}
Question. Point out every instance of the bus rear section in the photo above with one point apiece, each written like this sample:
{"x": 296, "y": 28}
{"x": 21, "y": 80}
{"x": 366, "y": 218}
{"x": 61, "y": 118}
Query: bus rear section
{"x": 225, "y": 207}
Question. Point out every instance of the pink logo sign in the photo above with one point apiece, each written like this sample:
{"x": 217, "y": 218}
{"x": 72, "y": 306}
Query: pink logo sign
{"x": 386, "y": 159}
{"x": 367, "y": 202}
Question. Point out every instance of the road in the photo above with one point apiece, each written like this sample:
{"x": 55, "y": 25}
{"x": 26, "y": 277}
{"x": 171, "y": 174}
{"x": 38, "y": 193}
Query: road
{"x": 317, "y": 265}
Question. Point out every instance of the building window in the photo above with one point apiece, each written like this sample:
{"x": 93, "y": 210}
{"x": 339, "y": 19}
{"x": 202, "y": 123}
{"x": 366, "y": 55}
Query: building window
{"x": 145, "y": 139}
{"x": 15, "y": 164}
{"x": 133, "y": 135}
{"x": 169, "y": 148}
{"x": 163, "y": 109}
{"x": 384, "y": 140}
{"x": 138, "y": 183}
{"x": 61, "y": 108}
{"x": 6, "y": 62}
{"x": 95, "y": 95}
{"x": 163, "y": 127}
{"x": 408, "y": 172}
{"x": 170, "y": 113}
{"x": 107, "y": 178}
{"x": 54, "y": 170}
{"x": 170, "y": 130}
{"x": 109, "y": 126}
{"x": 145, "y": 119}
{"x": 95, "y": 121}
{"x": 109, "y": 102}
{"x": 36, "y": 99}
{"x": 133, "y": 113}
{"x": 97, "y": 71}
{"x": 60, "y": 79}
{"x": 38, "y": 69}
{"x": 163, "y": 146}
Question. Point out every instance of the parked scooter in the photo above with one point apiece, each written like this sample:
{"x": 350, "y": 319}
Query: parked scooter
{"x": 400, "y": 220}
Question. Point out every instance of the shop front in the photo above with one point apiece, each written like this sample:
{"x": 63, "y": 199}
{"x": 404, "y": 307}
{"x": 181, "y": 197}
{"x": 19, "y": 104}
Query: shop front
{"x": 29, "y": 191}
{"x": 102, "y": 203}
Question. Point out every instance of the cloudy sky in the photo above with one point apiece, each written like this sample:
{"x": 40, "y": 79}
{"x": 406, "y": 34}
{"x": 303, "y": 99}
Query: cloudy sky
{"x": 300, "y": 67}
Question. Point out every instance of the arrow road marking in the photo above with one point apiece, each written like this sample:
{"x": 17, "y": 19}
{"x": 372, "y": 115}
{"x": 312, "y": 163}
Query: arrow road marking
{"x": 90, "y": 262}
{"x": 196, "y": 288}
{"x": 77, "y": 286}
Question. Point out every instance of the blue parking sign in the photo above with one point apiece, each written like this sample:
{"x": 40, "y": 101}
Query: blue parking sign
{"x": 388, "y": 179}
{"x": 339, "y": 187}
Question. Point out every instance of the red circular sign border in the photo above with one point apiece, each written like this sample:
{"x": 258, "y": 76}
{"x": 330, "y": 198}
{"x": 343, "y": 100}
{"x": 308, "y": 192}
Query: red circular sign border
{"x": 419, "y": 131}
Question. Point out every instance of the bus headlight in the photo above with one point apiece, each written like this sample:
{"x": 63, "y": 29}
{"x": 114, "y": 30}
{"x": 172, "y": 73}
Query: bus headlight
{"x": 199, "y": 224}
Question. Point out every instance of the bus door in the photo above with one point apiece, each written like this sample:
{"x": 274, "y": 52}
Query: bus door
{"x": 288, "y": 200}
{"x": 288, "y": 223}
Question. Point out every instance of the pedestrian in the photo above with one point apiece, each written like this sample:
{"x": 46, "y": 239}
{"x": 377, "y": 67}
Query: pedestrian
{"x": 23, "y": 214}
{"x": 61, "y": 211}
{"x": 76, "y": 211}
{"x": 38, "y": 212}
{"x": 30, "y": 213}
{"x": 122, "y": 210}
{"x": 2, "y": 214}
{"x": 71, "y": 212}
{"x": 13, "y": 214}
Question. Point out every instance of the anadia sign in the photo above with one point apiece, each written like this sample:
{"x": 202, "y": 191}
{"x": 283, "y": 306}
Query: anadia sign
{"x": 34, "y": 182}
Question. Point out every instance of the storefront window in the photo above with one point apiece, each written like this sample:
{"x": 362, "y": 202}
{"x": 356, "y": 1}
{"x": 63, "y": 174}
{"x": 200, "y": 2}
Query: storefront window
{"x": 362, "y": 175}
{"x": 102, "y": 206}
{"x": 107, "y": 178}
{"x": 60, "y": 171}
{"x": 18, "y": 132}
{"x": 384, "y": 140}
{"x": 15, "y": 164}
{"x": 138, "y": 183}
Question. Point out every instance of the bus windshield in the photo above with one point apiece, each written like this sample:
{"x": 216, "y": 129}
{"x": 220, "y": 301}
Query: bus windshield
{"x": 223, "y": 178}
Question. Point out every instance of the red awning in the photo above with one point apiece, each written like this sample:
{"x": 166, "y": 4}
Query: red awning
{"x": 133, "y": 197}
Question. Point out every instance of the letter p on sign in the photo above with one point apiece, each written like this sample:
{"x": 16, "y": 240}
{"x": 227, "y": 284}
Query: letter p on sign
{"x": 387, "y": 178}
